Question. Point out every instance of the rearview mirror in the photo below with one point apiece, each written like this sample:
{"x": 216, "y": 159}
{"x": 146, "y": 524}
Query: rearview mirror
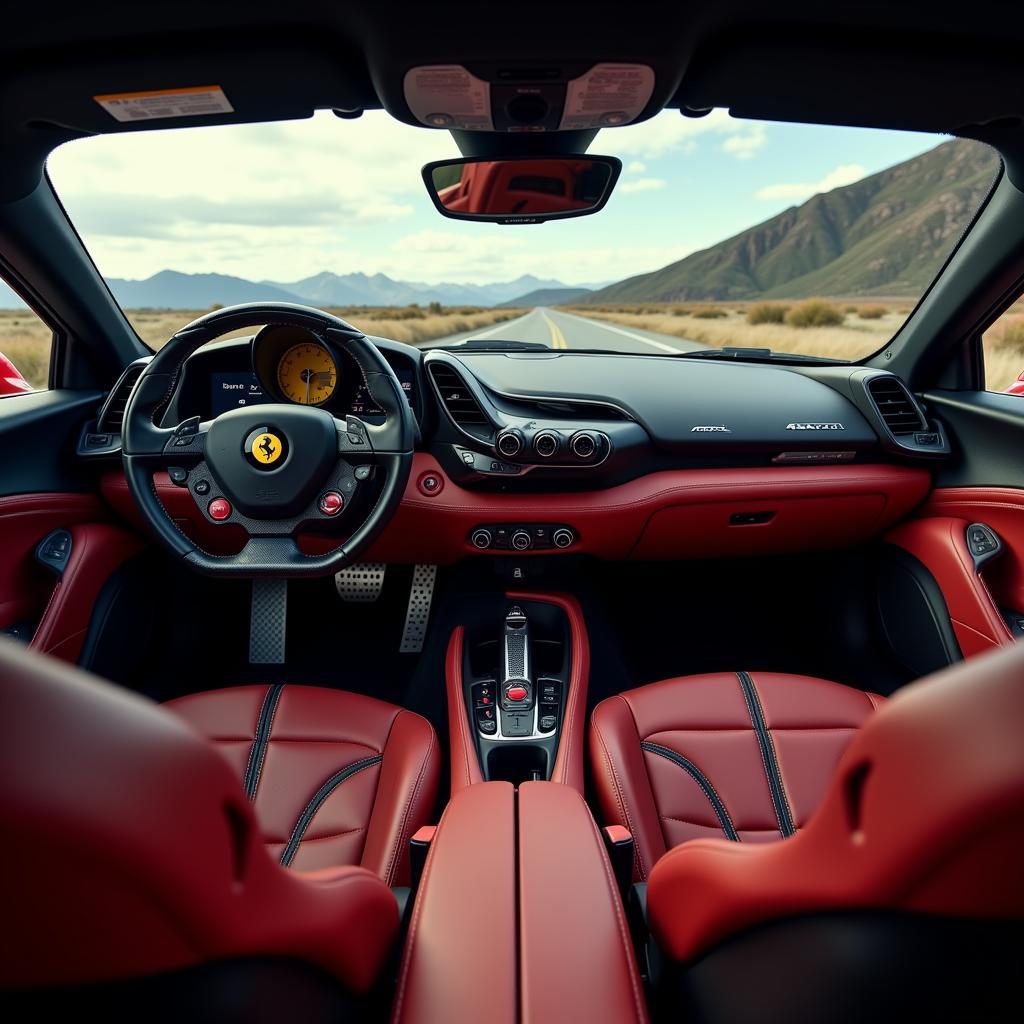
{"x": 521, "y": 190}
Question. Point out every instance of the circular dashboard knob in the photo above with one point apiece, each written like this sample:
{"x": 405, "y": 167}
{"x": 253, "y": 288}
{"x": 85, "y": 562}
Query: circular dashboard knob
{"x": 510, "y": 443}
{"x": 521, "y": 540}
{"x": 546, "y": 444}
{"x": 583, "y": 445}
{"x": 481, "y": 538}
{"x": 563, "y": 538}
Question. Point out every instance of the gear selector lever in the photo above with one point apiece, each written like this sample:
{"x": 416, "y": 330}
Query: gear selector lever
{"x": 517, "y": 693}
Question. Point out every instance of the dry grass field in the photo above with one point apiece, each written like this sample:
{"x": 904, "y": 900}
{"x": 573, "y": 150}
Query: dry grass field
{"x": 26, "y": 341}
{"x": 866, "y": 325}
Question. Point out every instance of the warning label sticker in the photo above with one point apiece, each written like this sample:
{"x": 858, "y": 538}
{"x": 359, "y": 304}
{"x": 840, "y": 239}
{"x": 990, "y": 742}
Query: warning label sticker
{"x": 607, "y": 95}
{"x": 197, "y": 101}
{"x": 448, "y": 96}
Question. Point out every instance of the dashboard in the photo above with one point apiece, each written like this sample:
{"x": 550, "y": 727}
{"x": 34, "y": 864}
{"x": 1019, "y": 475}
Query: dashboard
{"x": 537, "y": 451}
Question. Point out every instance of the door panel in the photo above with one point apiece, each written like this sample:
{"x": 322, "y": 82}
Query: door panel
{"x": 43, "y": 488}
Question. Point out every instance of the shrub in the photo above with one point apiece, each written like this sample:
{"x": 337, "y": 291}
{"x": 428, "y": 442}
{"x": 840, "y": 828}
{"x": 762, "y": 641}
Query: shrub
{"x": 815, "y": 313}
{"x": 766, "y": 313}
{"x": 851, "y": 309}
{"x": 873, "y": 312}
{"x": 681, "y": 311}
{"x": 1013, "y": 334}
{"x": 709, "y": 313}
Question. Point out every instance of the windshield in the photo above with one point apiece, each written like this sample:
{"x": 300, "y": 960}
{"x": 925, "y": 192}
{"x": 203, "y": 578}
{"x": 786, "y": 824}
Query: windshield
{"x": 798, "y": 239}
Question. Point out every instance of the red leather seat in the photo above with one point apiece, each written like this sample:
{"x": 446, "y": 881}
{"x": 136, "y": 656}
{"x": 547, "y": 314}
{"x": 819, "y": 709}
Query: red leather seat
{"x": 903, "y": 898}
{"x": 333, "y": 777}
{"x": 747, "y": 756}
{"x": 131, "y": 856}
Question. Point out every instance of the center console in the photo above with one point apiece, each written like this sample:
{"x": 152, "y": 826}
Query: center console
{"x": 517, "y": 692}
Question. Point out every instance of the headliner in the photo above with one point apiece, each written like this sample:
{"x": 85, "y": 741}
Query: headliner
{"x": 910, "y": 65}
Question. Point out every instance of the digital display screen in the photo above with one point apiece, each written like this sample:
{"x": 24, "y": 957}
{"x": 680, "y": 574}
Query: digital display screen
{"x": 364, "y": 406}
{"x": 230, "y": 390}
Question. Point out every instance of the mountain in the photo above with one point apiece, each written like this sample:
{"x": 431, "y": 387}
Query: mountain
{"x": 886, "y": 234}
{"x": 173, "y": 290}
{"x": 550, "y": 297}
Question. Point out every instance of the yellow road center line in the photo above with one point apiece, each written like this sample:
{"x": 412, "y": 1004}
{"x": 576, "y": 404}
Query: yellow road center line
{"x": 557, "y": 338}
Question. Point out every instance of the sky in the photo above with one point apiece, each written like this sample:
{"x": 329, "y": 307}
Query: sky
{"x": 284, "y": 201}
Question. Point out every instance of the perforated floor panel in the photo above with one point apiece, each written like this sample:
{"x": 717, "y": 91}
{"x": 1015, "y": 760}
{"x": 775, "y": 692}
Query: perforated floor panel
{"x": 421, "y": 594}
{"x": 360, "y": 583}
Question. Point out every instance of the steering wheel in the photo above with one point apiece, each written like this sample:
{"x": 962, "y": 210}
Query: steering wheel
{"x": 269, "y": 468}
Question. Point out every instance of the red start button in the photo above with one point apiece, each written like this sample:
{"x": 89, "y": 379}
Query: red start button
{"x": 331, "y": 503}
{"x": 219, "y": 509}
{"x": 516, "y": 693}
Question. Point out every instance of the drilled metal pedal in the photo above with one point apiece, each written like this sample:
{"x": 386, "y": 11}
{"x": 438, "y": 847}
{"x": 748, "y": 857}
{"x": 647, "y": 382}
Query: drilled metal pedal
{"x": 361, "y": 583}
{"x": 417, "y": 615}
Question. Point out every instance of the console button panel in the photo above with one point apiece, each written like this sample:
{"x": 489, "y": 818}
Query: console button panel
{"x": 522, "y": 536}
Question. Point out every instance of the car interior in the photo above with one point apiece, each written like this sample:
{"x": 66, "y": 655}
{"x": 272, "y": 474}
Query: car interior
{"x": 494, "y": 681}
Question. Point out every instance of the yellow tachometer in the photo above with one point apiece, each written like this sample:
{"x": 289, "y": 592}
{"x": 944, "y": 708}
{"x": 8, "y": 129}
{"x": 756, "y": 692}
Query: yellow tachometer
{"x": 306, "y": 374}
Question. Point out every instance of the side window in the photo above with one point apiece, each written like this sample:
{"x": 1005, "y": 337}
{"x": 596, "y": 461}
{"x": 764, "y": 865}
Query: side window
{"x": 25, "y": 345}
{"x": 1003, "y": 344}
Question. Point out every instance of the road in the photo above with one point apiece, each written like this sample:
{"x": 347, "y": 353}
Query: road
{"x": 559, "y": 330}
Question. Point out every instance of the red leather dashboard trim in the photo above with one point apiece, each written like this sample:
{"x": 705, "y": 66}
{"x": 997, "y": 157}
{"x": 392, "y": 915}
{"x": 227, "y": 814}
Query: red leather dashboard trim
{"x": 96, "y": 551}
{"x": 25, "y": 519}
{"x": 924, "y": 814}
{"x": 680, "y": 513}
{"x": 1002, "y": 508}
{"x": 940, "y": 544}
{"x": 569, "y": 760}
{"x": 460, "y": 955}
{"x": 576, "y": 955}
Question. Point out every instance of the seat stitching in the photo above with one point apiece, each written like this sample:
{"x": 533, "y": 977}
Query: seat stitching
{"x": 699, "y": 824}
{"x": 333, "y": 835}
{"x": 773, "y": 756}
{"x": 620, "y": 797}
{"x": 409, "y": 802}
{"x": 777, "y": 728}
{"x": 247, "y": 777}
{"x": 317, "y": 801}
{"x": 762, "y": 745}
{"x": 705, "y": 784}
{"x": 262, "y": 756}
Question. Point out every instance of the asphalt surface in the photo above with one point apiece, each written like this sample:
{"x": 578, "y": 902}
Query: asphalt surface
{"x": 559, "y": 330}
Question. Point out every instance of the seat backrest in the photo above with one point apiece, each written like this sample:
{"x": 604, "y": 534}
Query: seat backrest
{"x": 924, "y": 820}
{"x": 128, "y": 849}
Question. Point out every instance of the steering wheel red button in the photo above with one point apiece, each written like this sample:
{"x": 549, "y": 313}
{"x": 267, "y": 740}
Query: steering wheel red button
{"x": 331, "y": 503}
{"x": 219, "y": 509}
{"x": 516, "y": 693}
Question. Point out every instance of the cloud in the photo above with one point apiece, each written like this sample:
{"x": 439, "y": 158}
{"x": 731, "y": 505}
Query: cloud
{"x": 642, "y": 185}
{"x": 636, "y": 167}
{"x": 670, "y": 132}
{"x": 744, "y": 145}
{"x": 844, "y": 174}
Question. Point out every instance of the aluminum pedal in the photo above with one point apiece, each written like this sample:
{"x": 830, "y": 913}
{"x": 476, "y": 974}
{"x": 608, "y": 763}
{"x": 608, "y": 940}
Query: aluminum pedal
{"x": 361, "y": 583}
{"x": 421, "y": 595}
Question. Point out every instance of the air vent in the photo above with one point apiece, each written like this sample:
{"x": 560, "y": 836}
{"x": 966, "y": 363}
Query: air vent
{"x": 458, "y": 400}
{"x": 896, "y": 405}
{"x": 112, "y": 414}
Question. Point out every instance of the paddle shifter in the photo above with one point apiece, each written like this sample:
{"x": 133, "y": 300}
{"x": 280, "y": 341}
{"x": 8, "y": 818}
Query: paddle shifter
{"x": 516, "y": 688}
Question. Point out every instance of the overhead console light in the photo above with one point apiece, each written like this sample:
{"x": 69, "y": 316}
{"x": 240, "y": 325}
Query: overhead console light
{"x": 513, "y": 99}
